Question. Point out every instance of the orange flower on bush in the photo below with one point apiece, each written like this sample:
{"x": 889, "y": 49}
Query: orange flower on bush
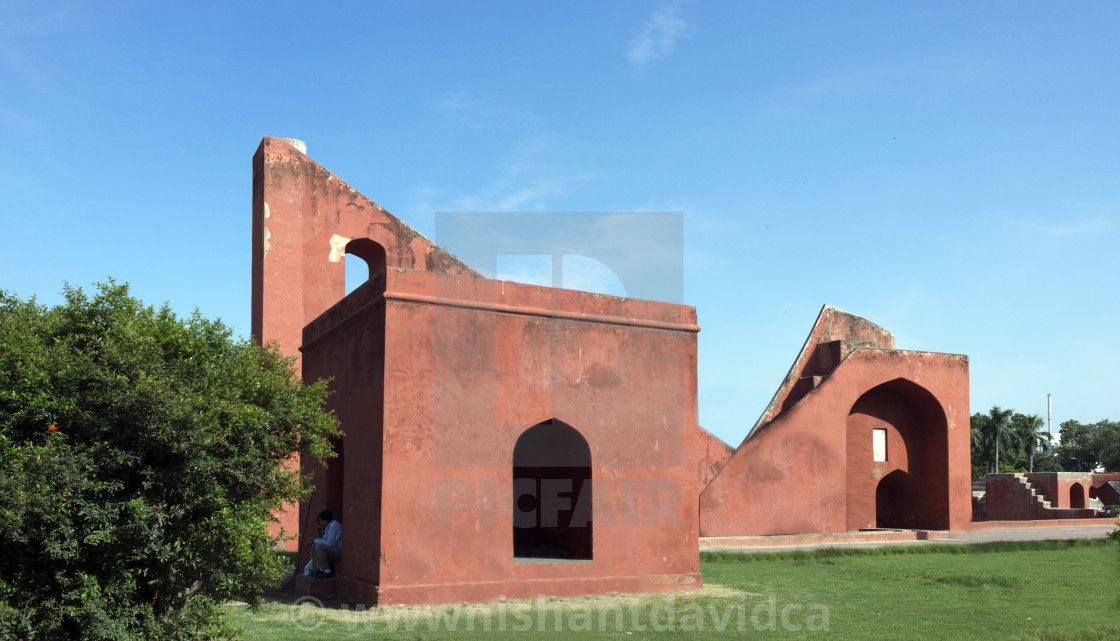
{"x": 52, "y": 428}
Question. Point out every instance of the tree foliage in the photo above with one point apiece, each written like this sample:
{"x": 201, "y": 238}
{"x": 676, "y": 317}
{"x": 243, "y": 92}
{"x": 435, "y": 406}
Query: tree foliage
{"x": 1028, "y": 438}
{"x": 1087, "y": 446}
{"x": 1008, "y": 441}
{"x": 991, "y": 432}
{"x": 141, "y": 458}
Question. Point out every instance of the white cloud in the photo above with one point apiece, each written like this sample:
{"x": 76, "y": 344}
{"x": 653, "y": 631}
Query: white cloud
{"x": 525, "y": 182}
{"x": 916, "y": 77}
{"x": 658, "y": 38}
{"x": 28, "y": 19}
{"x": 504, "y": 195}
{"x": 1071, "y": 227}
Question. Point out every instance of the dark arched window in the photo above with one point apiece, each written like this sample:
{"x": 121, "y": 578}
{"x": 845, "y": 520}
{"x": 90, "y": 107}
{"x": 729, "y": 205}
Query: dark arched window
{"x": 1077, "y": 495}
{"x": 896, "y": 501}
{"x": 552, "y": 486}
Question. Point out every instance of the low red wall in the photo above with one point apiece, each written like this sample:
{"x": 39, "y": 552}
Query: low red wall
{"x": 991, "y": 525}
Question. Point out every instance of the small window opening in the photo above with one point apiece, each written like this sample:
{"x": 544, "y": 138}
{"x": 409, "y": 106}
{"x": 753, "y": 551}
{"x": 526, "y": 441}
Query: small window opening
{"x": 879, "y": 444}
{"x": 365, "y": 258}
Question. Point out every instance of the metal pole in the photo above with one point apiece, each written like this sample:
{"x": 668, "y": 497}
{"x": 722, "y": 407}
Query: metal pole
{"x": 1049, "y": 413}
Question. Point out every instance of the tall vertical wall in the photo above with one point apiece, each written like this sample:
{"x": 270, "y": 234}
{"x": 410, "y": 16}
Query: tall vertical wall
{"x": 305, "y": 221}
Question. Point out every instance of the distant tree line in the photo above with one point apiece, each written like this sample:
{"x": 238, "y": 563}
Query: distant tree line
{"x": 1007, "y": 441}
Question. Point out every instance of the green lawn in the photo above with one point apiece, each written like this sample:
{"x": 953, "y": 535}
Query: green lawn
{"x": 1049, "y": 591}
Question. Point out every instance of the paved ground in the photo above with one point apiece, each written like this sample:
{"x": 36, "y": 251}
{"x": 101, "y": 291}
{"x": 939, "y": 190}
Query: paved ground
{"x": 1030, "y": 533}
{"x": 949, "y": 538}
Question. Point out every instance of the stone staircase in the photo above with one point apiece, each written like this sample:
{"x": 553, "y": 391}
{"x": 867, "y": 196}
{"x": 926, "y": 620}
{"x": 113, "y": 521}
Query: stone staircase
{"x": 1015, "y": 497}
{"x": 979, "y": 500}
{"x": 1038, "y": 498}
{"x": 979, "y": 489}
{"x": 1031, "y": 495}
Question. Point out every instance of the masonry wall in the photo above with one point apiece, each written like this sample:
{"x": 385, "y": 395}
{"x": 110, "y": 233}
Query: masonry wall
{"x": 1058, "y": 486}
{"x": 1006, "y": 500}
{"x": 713, "y": 455}
{"x": 305, "y": 221}
{"x": 469, "y": 365}
{"x": 350, "y": 484}
{"x": 1105, "y": 487}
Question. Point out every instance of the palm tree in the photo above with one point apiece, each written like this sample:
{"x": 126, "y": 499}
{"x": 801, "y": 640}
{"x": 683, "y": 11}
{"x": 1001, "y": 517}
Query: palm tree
{"x": 997, "y": 430}
{"x": 1027, "y": 433}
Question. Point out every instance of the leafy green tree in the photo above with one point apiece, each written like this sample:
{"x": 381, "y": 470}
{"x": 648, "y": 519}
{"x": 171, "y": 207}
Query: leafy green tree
{"x": 1079, "y": 447}
{"x": 980, "y": 455}
{"x": 141, "y": 458}
{"x": 1047, "y": 463}
{"x": 1108, "y": 443}
{"x": 1086, "y": 446}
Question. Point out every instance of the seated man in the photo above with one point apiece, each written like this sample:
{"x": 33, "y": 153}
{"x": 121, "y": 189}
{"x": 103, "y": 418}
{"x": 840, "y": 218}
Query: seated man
{"x": 326, "y": 548}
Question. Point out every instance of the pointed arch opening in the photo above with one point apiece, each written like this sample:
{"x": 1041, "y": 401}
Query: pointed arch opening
{"x": 552, "y": 493}
{"x": 1077, "y": 495}
{"x": 897, "y": 440}
{"x": 896, "y": 501}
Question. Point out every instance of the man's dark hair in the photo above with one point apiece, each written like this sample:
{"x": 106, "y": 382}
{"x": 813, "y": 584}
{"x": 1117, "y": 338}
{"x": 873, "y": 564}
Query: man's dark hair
{"x": 326, "y": 515}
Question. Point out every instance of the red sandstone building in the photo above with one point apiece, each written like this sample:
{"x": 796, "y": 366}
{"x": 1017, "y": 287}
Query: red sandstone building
{"x": 500, "y": 439}
{"x": 859, "y": 435}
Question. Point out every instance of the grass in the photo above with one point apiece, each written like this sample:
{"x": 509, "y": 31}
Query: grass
{"x": 1029, "y": 591}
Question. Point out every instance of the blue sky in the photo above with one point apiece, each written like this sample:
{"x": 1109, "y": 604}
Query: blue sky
{"x": 947, "y": 171}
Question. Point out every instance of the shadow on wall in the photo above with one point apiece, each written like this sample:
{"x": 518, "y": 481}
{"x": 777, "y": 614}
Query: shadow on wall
{"x": 897, "y": 453}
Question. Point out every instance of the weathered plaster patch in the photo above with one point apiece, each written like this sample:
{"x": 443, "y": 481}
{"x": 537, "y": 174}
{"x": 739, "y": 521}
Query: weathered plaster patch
{"x": 267, "y": 213}
{"x": 267, "y": 240}
{"x": 298, "y": 145}
{"x": 338, "y": 248}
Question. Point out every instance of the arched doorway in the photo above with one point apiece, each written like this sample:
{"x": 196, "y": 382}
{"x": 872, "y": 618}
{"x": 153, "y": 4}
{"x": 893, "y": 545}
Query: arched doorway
{"x": 1077, "y": 495}
{"x": 552, "y": 494}
{"x": 896, "y": 501}
{"x": 896, "y": 447}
